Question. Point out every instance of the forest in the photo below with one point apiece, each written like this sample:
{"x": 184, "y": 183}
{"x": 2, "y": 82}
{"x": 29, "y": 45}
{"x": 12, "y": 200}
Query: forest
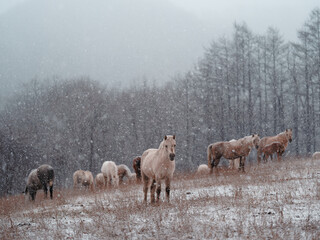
{"x": 244, "y": 84}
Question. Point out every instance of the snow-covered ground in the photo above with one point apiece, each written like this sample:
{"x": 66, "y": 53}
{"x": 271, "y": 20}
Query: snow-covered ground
{"x": 273, "y": 200}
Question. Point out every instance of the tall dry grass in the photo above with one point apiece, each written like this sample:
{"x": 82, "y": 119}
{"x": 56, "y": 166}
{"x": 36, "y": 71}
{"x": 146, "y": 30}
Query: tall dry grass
{"x": 273, "y": 200}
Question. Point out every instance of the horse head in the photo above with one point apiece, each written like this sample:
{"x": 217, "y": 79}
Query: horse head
{"x": 289, "y": 134}
{"x": 169, "y": 145}
{"x": 256, "y": 140}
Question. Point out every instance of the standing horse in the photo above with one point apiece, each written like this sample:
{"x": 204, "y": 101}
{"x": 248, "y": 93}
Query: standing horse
{"x": 136, "y": 166}
{"x": 275, "y": 147}
{"x": 157, "y": 165}
{"x": 39, "y": 178}
{"x": 284, "y": 138}
{"x": 231, "y": 150}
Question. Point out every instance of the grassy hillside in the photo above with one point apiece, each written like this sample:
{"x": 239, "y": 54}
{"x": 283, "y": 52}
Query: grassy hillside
{"x": 273, "y": 200}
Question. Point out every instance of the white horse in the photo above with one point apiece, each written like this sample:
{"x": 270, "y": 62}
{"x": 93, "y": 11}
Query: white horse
{"x": 110, "y": 172}
{"x": 157, "y": 165}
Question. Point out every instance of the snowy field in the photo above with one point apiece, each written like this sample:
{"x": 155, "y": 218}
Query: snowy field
{"x": 270, "y": 201}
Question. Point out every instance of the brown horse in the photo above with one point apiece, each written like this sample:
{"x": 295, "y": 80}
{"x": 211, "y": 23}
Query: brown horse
{"x": 231, "y": 150}
{"x": 284, "y": 138}
{"x": 275, "y": 147}
{"x": 136, "y": 166}
{"x": 157, "y": 165}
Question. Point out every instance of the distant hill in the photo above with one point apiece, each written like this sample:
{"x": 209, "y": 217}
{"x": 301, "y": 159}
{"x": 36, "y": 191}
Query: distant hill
{"x": 112, "y": 41}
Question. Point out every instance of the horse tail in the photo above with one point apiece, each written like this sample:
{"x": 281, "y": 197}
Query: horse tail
{"x": 209, "y": 153}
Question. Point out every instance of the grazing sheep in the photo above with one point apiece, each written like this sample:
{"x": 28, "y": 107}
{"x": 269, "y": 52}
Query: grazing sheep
{"x": 203, "y": 169}
{"x": 39, "y": 178}
{"x": 110, "y": 172}
{"x": 124, "y": 171}
{"x": 83, "y": 179}
{"x": 100, "y": 182}
{"x": 316, "y": 156}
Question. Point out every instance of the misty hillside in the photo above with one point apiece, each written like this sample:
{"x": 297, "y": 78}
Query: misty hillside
{"x": 111, "y": 41}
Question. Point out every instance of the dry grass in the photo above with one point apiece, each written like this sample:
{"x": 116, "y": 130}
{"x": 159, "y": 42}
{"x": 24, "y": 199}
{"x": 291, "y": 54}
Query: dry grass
{"x": 273, "y": 200}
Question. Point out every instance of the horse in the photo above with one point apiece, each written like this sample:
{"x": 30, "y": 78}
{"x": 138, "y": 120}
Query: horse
{"x": 157, "y": 165}
{"x": 100, "y": 182}
{"x": 275, "y": 147}
{"x": 110, "y": 172}
{"x": 231, "y": 150}
{"x": 203, "y": 169}
{"x": 136, "y": 166}
{"x": 84, "y": 179}
{"x": 39, "y": 178}
{"x": 124, "y": 171}
{"x": 234, "y": 163}
{"x": 284, "y": 138}
{"x": 316, "y": 156}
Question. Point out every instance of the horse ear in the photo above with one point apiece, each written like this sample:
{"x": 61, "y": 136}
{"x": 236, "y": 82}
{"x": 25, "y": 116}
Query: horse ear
{"x": 174, "y": 136}
{"x": 165, "y": 137}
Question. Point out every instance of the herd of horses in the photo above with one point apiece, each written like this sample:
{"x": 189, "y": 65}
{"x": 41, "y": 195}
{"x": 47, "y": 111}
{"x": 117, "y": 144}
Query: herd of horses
{"x": 156, "y": 165}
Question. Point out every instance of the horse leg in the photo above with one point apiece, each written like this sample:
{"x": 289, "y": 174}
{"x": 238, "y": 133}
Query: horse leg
{"x": 265, "y": 158}
{"x": 145, "y": 186}
{"x": 241, "y": 165}
{"x": 215, "y": 165}
{"x": 33, "y": 195}
{"x": 45, "y": 189}
{"x": 152, "y": 190}
{"x": 168, "y": 188}
{"x": 51, "y": 191}
{"x": 158, "y": 189}
{"x": 259, "y": 155}
{"x": 278, "y": 156}
{"x": 271, "y": 156}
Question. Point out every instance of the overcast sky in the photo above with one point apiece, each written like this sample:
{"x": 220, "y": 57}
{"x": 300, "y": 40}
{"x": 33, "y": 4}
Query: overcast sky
{"x": 285, "y": 15}
{"x": 112, "y": 41}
